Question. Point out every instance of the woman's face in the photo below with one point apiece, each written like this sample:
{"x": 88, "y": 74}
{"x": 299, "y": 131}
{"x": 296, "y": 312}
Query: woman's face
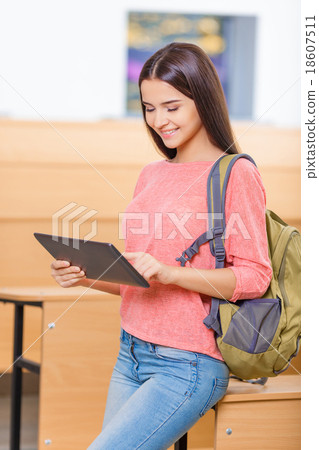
{"x": 171, "y": 114}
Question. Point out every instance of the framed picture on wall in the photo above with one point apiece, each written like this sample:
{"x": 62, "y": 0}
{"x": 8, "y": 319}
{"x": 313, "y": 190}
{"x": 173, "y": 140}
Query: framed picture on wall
{"x": 228, "y": 40}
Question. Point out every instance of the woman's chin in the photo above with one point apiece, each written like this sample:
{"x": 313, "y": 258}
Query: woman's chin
{"x": 169, "y": 144}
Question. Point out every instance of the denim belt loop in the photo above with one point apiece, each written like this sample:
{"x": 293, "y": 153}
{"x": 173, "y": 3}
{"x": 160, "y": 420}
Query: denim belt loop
{"x": 126, "y": 336}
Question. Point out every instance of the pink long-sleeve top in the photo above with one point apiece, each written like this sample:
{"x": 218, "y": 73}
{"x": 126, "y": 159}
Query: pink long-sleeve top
{"x": 167, "y": 213}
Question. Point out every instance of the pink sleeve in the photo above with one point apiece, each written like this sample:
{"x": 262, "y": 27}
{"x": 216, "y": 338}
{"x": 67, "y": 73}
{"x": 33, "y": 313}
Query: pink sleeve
{"x": 246, "y": 238}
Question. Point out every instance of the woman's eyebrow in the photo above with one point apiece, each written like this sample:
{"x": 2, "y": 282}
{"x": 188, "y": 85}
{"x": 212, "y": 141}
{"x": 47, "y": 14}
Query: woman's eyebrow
{"x": 164, "y": 103}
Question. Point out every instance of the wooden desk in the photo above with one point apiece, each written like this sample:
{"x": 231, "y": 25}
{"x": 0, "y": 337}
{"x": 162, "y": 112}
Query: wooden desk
{"x": 74, "y": 372}
{"x": 252, "y": 417}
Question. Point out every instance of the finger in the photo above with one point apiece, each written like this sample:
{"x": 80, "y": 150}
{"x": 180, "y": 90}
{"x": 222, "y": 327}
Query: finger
{"x": 149, "y": 273}
{"x": 132, "y": 255}
{"x": 142, "y": 267}
{"x": 59, "y": 264}
{"x": 61, "y": 272}
{"x": 72, "y": 275}
{"x": 69, "y": 283}
{"x": 62, "y": 278}
{"x": 74, "y": 269}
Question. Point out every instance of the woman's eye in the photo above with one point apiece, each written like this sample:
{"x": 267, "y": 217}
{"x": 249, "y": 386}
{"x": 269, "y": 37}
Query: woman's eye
{"x": 168, "y": 109}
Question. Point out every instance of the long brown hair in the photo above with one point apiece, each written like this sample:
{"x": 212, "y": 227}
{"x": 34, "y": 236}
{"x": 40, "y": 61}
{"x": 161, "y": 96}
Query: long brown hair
{"x": 188, "y": 69}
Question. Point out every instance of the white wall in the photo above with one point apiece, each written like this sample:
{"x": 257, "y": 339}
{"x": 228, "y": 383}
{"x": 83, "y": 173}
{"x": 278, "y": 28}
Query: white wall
{"x": 66, "y": 59}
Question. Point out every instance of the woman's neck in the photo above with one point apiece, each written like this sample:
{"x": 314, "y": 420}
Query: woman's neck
{"x": 211, "y": 153}
{"x": 199, "y": 148}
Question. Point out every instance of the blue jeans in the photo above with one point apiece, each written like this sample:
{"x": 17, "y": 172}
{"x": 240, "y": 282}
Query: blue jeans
{"x": 156, "y": 394}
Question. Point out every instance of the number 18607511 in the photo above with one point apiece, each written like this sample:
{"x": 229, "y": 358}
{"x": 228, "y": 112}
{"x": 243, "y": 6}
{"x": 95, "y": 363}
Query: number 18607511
{"x": 310, "y": 44}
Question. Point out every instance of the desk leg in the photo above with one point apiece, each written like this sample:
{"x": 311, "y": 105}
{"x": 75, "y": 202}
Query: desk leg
{"x": 181, "y": 444}
{"x": 16, "y": 388}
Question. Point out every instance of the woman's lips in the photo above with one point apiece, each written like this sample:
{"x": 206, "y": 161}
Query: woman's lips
{"x": 169, "y": 133}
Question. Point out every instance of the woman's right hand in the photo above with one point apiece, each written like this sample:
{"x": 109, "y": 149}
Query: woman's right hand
{"x": 66, "y": 275}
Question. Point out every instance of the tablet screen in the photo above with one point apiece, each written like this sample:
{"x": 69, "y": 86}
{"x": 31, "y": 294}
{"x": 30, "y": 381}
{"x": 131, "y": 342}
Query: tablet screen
{"x": 99, "y": 260}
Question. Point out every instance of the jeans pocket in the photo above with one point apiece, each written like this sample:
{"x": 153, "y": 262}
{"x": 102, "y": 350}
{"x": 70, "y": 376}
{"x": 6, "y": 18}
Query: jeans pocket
{"x": 217, "y": 392}
{"x": 174, "y": 354}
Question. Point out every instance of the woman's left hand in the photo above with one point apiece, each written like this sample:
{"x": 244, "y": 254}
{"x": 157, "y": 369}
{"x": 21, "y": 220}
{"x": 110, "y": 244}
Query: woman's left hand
{"x": 150, "y": 268}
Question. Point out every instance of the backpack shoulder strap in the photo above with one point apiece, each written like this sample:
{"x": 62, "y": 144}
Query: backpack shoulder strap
{"x": 216, "y": 193}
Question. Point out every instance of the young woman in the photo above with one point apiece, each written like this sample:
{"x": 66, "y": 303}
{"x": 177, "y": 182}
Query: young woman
{"x": 169, "y": 370}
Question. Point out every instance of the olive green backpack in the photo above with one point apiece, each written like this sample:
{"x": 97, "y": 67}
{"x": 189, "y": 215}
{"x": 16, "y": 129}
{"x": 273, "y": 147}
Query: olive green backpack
{"x": 256, "y": 337}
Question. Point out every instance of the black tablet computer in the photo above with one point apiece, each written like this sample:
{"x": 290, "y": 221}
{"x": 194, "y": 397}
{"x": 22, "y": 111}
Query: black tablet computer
{"x": 99, "y": 260}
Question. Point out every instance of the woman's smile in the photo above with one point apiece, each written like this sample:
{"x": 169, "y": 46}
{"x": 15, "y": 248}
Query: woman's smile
{"x": 168, "y": 133}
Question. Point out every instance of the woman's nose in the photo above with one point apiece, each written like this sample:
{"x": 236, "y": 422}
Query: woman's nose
{"x": 160, "y": 119}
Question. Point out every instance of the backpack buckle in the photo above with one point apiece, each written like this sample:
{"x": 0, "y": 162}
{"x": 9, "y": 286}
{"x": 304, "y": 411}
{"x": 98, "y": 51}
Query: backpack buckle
{"x": 210, "y": 234}
{"x": 213, "y": 233}
{"x": 184, "y": 258}
{"x": 218, "y": 232}
{"x": 188, "y": 254}
{"x": 220, "y": 253}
